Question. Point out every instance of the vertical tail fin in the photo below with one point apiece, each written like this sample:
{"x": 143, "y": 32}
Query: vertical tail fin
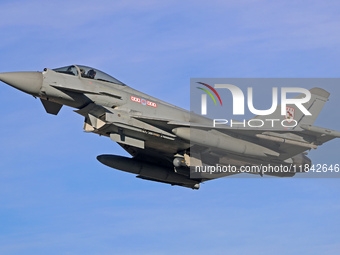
{"x": 318, "y": 99}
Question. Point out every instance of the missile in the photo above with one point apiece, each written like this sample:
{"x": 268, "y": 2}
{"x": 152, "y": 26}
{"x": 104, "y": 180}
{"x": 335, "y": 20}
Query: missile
{"x": 218, "y": 140}
{"x": 147, "y": 171}
{"x": 287, "y": 141}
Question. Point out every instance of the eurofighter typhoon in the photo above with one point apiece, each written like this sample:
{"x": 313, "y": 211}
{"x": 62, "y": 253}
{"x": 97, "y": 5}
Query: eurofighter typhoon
{"x": 166, "y": 142}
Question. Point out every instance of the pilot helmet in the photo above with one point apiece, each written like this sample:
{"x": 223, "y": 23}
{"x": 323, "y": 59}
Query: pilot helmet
{"x": 91, "y": 73}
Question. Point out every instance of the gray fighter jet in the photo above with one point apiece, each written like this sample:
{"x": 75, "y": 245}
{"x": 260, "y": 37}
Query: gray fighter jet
{"x": 159, "y": 136}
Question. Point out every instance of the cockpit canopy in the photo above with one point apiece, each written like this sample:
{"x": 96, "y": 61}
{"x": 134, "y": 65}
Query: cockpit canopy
{"x": 87, "y": 72}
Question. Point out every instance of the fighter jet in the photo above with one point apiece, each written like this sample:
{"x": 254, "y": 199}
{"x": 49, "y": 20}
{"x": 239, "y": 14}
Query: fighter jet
{"x": 166, "y": 141}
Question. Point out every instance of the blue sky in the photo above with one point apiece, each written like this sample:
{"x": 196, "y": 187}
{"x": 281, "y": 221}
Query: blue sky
{"x": 56, "y": 198}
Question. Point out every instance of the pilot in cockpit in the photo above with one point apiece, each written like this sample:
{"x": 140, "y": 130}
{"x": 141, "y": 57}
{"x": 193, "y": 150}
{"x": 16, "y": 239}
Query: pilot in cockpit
{"x": 91, "y": 74}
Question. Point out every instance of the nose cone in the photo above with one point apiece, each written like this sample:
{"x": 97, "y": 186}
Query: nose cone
{"x": 28, "y": 82}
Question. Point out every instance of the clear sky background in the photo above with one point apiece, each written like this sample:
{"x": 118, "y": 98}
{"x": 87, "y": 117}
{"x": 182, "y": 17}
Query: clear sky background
{"x": 56, "y": 198}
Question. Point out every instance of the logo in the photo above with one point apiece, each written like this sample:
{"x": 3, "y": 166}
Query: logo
{"x": 290, "y": 114}
{"x": 208, "y": 92}
{"x": 204, "y": 97}
{"x": 143, "y": 101}
{"x": 135, "y": 99}
{"x": 239, "y": 100}
{"x": 151, "y": 104}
